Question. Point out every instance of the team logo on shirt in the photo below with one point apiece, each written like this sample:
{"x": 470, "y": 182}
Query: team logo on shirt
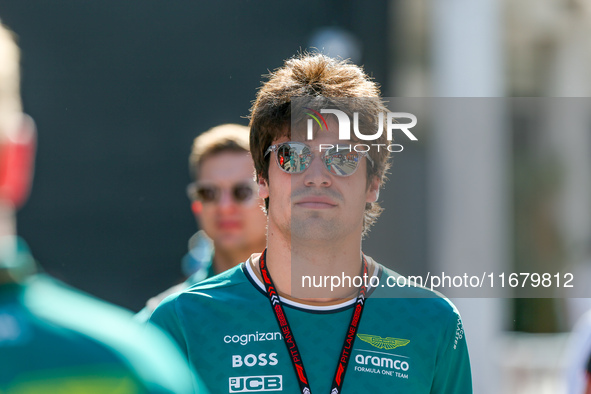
{"x": 383, "y": 343}
{"x": 380, "y": 363}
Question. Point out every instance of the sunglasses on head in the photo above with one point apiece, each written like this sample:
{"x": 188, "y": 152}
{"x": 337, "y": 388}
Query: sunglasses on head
{"x": 240, "y": 192}
{"x": 295, "y": 158}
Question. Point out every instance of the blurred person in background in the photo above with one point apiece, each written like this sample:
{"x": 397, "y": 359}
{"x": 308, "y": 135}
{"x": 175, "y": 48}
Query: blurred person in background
{"x": 578, "y": 357}
{"x": 588, "y": 377}
{"x": 54, "y": 339}
{"x": 225, "y": 203}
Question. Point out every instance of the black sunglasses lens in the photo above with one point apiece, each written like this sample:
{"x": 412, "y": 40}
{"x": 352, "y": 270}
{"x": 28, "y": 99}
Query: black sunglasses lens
{"x": 242, "y": 193}
{"x": 207, "y": 194}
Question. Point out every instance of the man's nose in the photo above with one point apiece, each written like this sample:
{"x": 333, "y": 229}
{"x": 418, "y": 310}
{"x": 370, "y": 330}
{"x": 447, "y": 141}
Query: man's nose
{"x": 317, "y": 174}
{"x": 226, "y": 200}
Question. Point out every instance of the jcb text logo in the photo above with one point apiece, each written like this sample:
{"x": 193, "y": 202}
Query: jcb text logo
{"x": 244, "y": 384}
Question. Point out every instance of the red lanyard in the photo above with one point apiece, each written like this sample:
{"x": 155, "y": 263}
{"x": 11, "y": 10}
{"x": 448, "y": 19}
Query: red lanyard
{"x": 289, "y": 339}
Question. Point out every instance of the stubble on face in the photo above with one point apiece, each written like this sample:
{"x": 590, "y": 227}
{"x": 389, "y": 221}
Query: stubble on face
{"x": 314, "y": 225}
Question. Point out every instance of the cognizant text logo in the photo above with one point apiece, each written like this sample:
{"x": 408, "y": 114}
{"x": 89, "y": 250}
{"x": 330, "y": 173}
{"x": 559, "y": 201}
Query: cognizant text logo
{"x": 344, "y": 123}
{"x": 244, "y": 339}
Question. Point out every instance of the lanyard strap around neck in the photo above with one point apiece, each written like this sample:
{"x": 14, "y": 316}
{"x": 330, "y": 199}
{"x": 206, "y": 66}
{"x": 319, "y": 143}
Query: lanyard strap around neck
{"x": 289, "y": 339}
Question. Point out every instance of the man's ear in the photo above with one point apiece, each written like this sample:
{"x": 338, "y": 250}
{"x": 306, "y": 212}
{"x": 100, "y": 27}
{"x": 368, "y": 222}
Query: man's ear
{"x": 196, "y": 208}
{"x": 263, "y": 187}
{"x": 373, "y": 191}
{"x": 17, "y": 158}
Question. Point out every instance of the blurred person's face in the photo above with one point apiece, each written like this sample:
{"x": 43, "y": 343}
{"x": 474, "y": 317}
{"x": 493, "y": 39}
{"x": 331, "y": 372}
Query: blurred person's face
{"x": 229, "y": 210}
{"x": 17, "y": 155}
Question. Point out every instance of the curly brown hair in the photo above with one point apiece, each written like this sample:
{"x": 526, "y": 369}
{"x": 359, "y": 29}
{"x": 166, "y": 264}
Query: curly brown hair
{"x": 324, "y": 82}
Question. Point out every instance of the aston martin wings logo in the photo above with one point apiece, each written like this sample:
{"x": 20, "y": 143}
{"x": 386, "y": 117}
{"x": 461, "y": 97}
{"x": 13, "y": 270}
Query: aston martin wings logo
{"x": 383, "y": 343}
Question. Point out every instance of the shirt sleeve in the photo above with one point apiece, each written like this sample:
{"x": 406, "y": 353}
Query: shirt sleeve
{"x": 452, "y": 371}
{"x": 166, "y": 317}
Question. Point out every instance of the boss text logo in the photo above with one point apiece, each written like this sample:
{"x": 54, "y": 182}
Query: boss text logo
{"x": 250, "y": 360}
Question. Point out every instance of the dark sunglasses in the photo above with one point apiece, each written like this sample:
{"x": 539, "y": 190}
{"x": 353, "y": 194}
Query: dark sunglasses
{"x": 295, "y": 158}
{"x": 241, "y": 192}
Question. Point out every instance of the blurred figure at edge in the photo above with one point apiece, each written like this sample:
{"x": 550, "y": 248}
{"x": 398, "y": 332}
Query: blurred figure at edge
{"x": 54, "y": 339}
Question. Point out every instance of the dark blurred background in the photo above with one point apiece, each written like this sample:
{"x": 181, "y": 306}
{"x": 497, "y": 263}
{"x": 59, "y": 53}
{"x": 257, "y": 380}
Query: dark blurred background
{"x": 119, "y": 89}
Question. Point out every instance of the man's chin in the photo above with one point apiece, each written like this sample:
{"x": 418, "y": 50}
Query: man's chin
{"x": 314, "y": 230}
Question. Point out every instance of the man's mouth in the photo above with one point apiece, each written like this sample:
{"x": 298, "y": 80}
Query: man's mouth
{"x": 316, "y": 202}
{"x": 229, "y": 224}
